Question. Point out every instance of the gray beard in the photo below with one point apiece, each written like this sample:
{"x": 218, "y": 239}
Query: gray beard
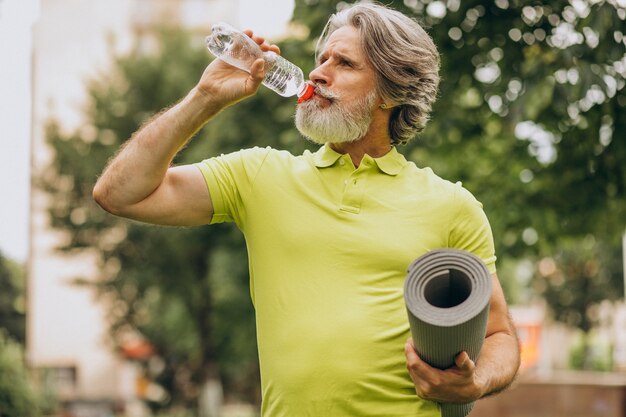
{"x": 337, "y": 123}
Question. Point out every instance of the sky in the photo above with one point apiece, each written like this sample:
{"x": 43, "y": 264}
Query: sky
{"x": 16, "y": 22}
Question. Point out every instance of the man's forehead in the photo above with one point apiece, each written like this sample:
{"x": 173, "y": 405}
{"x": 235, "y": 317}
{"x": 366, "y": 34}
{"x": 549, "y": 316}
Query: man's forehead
{"x": 345, "y": 40}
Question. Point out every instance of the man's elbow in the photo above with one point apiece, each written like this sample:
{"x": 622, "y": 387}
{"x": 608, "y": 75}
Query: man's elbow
{"x": 102, "y": 197}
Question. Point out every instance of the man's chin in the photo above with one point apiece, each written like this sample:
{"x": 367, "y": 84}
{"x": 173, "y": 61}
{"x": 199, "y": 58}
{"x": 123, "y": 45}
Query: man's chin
{"x": 321, "y": 122}
{"x": 322, "y": 140}
{"x": 312, "y": 137}
{"x": 322, "y": 135}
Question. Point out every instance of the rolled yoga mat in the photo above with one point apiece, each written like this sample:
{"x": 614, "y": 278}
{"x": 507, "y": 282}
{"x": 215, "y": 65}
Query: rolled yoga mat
{"x": 447, "y": 293}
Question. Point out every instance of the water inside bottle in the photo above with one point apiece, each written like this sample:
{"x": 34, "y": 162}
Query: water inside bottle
{"x": 284, "y": 77}
{"x": 233, "y": 47}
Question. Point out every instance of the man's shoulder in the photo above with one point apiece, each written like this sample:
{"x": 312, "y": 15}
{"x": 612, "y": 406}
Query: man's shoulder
{"x": 278, "y": 157}
{"x": 252, "y": 155}
{"x": 428, "y": 177}
{"x": 267, "y": 152}
{"x": 267, "y": 160}
{"x": 429, "y": 181}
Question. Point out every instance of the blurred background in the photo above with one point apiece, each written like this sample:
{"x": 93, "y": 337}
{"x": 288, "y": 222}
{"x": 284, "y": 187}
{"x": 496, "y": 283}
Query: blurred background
{"x": 103, "y": 317}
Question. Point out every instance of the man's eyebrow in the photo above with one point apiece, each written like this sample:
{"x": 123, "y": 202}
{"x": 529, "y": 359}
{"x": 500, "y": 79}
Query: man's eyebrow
{"x": 339, "y": 55}
{"x": 345, "y": 57}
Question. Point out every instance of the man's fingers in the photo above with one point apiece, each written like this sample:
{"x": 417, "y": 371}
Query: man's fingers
{"x": 257, "y": 70}
{"x": 274, "y": 48}
{"x": 262, "y": 42}
{"x": 464, "y": 363}
{"x": 454, "y": 384}
{"x": 249, "y": 32}
{"x": 413, "y": 361}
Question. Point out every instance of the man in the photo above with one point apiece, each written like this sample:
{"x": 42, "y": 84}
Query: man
{"x": 329, "y": 234}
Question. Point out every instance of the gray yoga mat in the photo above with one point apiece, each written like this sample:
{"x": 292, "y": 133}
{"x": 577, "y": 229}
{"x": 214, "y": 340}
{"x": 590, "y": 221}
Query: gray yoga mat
{"x": 447, "y": 294}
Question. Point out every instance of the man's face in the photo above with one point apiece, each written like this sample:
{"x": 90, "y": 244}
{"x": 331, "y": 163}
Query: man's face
{"x": 345, "y": 96}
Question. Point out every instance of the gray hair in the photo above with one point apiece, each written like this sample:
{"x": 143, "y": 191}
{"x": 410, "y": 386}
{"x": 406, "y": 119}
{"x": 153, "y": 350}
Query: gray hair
{"x": 404, "y": 57}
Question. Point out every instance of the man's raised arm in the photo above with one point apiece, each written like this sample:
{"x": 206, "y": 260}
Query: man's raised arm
{"x": 139, "y": 183}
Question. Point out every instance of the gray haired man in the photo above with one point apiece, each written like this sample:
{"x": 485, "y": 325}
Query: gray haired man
{"x": 331, "y": 233}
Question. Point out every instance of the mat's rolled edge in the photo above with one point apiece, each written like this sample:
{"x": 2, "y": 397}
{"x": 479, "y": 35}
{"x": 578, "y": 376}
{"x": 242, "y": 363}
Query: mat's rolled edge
{"x": 436, "y": 341}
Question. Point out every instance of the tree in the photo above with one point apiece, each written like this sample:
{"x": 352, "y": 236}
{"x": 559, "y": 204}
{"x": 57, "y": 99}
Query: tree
{"x": 183, "y": 290}
{"x": 574, "y": 281}
{"x": 17, "y": 398}
{"x": 12, "y": 299}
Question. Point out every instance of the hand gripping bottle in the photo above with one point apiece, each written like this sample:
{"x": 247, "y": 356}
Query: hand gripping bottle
{"x": 239, "y": 50}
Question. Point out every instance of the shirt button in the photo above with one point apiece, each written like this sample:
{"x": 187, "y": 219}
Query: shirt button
{"x": 342, "y": 162}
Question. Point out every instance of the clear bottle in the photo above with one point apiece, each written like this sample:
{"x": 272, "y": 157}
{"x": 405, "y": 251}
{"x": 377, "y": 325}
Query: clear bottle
{"x": 239, "y": 50}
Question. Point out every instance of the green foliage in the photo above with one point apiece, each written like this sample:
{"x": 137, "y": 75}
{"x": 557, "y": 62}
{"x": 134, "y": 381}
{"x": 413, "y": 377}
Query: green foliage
{"x": 184, "y": 290}
{"x": 579, "y": 276}
{"x": 590, "y": 355}
{"x": 12, "y": 299}
{"x": 156, "y": 281}
{"x": 17, "y": 398}
{"x": 529, "y": 123}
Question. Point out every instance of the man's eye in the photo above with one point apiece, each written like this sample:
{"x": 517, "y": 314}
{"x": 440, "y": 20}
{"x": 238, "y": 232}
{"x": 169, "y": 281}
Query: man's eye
{"x": 345, "y": 63}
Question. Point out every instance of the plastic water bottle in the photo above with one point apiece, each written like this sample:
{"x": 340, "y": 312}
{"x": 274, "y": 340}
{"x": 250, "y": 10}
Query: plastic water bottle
{"x": 239, "y": 50}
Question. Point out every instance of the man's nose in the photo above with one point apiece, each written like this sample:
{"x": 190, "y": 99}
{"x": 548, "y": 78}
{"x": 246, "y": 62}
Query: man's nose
{"x": 320, "y": 75}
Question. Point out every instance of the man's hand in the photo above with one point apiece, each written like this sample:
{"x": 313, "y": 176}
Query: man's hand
{"x": 467, "y": 381}
{"x": 458, "y": 384}
{"x": 225, "y": 85}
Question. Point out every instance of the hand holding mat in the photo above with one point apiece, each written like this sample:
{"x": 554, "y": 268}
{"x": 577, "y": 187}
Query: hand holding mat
{"x": 447, "y": 293}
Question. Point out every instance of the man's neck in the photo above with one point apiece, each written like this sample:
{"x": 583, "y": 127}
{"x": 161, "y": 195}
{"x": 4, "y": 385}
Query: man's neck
{"x": 375, "y": 146}
{"x": 375, "y": 143}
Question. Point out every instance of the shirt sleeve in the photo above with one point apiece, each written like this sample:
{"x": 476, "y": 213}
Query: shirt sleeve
{"x": 230, "y": 179}
{"x": 470, "y": 229}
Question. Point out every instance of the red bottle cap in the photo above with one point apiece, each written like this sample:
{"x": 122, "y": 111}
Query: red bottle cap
{"x": 307, "y": 92}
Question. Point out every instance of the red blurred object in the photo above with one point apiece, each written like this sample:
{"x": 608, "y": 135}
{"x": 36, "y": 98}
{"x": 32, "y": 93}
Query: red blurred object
{"x": 137, "y": 350}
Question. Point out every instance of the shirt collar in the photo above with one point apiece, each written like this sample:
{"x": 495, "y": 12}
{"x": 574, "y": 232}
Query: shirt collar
{"x": 325, "y": 157}
{"x": 391, "y": 163}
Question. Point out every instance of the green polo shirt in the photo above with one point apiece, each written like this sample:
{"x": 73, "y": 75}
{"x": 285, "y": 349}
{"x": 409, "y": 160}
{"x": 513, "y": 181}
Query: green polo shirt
{"x": 329, "y": 245}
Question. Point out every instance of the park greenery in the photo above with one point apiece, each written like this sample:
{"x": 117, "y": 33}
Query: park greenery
{"x": 530, "y": 118}
{"x": 18, "y": 398}
{"x": 12, "y": 300}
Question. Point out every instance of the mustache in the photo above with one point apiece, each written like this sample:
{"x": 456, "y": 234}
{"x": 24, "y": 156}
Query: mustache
{"x": 324, "y": 92}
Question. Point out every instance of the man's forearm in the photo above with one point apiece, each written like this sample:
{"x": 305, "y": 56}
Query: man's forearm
{"x": 498, "y": 362}
{"x": 140, "y": 166}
